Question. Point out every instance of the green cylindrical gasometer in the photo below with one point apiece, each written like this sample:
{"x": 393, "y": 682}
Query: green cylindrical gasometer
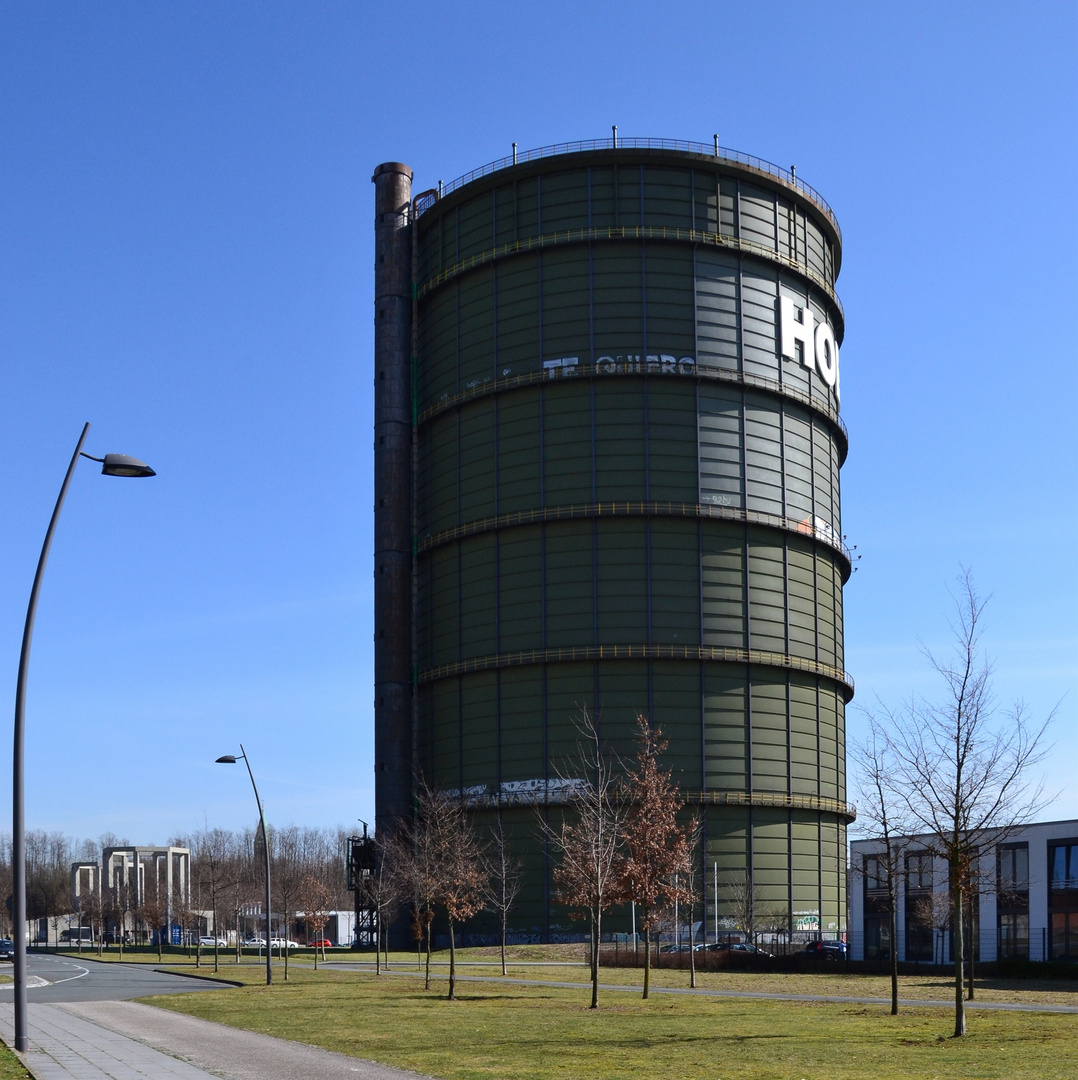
{"x": 626, "y": 499}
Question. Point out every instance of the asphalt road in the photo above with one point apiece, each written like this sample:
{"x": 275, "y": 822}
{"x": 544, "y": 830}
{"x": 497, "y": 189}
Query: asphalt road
{"x": 72, "y": 979}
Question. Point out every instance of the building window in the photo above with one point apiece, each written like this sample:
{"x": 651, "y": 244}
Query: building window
{"x": 919, "y": 872}
{"x": 1013, "y": 936}
{"x": 875, "y": 874}
{"x": 877, "y": 909}
{"x": 1012, "y": 901}
{"x": 919, "y": 907}
{"x": 877, "y": 937}
{"x": 1013, "y": 868}
{"x": 1063, "y": 900}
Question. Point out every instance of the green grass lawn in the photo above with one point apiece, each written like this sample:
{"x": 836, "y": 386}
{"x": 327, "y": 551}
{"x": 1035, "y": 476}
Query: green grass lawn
{"x": 534, "y": 1033}
{"x": 11, "y": 1068}
{"x": 564, "y": 964}
{"x": 934, "y": 987}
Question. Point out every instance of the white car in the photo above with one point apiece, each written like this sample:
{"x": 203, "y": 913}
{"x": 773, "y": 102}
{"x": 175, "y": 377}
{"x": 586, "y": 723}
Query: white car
{"x": 282, "y": 943}
{"x": 211, "y": 941}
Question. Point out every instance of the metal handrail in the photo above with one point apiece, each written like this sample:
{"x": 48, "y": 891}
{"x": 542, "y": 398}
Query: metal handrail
{"x": 773, "y": 798}
{"x": 576, "y": 511}
{"x": 723, "y": 153}
{"x": 570, "y": 653}
{"x": 483, "y": 387}
{"x": 631, "y": 232}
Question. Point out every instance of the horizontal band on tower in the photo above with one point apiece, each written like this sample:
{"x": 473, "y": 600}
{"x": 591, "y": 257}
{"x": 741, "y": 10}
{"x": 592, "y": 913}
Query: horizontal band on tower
{"x": 771, "y": 798}
{"x": 571, "y": 653}
{"x": 486, "y": 387}
{"x": 780, "y": 800}
{"x": 577, "y": 511}
{"x": 631, "y": 232}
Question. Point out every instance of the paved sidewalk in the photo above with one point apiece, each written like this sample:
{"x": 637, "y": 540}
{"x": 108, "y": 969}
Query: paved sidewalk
{"x": 68, "y": 1047}
{"x": 123, "y": 1040}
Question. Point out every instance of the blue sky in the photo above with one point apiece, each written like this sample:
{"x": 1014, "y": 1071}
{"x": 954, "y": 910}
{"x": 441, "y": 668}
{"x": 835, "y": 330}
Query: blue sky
{"x": 187, "y": 251}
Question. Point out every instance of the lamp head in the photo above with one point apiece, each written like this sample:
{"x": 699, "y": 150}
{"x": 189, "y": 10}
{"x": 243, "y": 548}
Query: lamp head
{"x": 226, "y": 759}
{"x": 124, "y": 465}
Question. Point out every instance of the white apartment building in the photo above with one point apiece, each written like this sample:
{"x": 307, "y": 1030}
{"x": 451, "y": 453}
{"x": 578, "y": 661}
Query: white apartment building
{"x": 1025, "y": 902}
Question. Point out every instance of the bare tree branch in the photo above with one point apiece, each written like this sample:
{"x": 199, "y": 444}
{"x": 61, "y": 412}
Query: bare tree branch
{"x": 657, "y": 867}
{"x": 589, "y": 839}
{"x": 962, "y": 771}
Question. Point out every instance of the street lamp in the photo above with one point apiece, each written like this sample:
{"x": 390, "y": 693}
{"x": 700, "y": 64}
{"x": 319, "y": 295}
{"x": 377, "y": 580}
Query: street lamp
{"x": 111, "y": 465}
{"x": 231, "y": 759}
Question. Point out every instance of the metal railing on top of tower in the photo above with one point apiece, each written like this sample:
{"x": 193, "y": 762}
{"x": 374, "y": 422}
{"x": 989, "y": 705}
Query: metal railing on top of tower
{"x": 723, "y": 153}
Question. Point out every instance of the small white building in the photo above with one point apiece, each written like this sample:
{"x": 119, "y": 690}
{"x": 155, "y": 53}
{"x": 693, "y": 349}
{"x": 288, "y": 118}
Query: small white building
{"x": 1025, "y": 903}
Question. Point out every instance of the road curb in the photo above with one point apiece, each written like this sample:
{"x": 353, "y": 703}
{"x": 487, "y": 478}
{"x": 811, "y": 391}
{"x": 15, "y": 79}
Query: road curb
{"x": 203, "y": 978}
{"x": 21, "y": 1055}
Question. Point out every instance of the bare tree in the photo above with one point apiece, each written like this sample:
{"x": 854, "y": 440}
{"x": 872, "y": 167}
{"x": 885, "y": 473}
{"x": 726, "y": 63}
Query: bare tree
{"x": 315, "y": 899}
{"x": 154, "y": 908}
{"x": 212, "y": 849}
{"x": 289, "y": 870}
{"x": 442, "y": 857}
{"x": 694, "y": 887}
{"x": 92, "y": 907}
{"x": 963, "y": 771}
{"x": 934, "y": 911}
{"x": 6, "y": 884}
{"x": 123, "y": 901}
{"x": 505, "y": 878}
{"x": 464, "y": 880}
{"x": 657, "y": 867}
{"x": 416, "y": 870}
{"x": 422, "y": 918}
{"x": 48, "y": 876}
{"x": 380, "y": 887}
{"x": 878, "y": 810}
{"x": 589, "y": 841}
{"x": 240, "y": 894}
{"x": 748, "y": 910}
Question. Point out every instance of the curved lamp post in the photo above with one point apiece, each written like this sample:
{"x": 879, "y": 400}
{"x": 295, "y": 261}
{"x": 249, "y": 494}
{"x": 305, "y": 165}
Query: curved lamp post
{"x": 111, "y": 465}
{"x": 231, "y": 759}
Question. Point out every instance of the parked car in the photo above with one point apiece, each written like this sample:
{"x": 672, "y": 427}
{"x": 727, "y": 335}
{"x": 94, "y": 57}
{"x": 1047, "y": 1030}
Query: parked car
{"x": 254, "y": 943}
{"x": 321, "y": 943}
{"x": 282, "y": 943}
{"x": 739, "y": 948}
{"x": 7, "y": 949}
{"x": 834, "y": 950}
{"x": 75, "y": 934}
{"x": 211, "y": 941}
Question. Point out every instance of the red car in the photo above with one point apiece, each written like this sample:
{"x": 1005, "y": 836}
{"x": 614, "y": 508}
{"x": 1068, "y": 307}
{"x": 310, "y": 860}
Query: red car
{"x": 322, "y": 943}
